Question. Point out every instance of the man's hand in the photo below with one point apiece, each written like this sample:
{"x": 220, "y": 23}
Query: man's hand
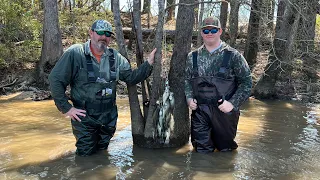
{"x": 192, "y": 103}
{"x": 226, "y": 106}
{"x": 151, "y": 56}
{"x": 74, "y": 113}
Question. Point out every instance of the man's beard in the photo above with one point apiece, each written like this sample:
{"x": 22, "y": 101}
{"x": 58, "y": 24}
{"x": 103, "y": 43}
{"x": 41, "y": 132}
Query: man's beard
{"x": 102, "y": 45}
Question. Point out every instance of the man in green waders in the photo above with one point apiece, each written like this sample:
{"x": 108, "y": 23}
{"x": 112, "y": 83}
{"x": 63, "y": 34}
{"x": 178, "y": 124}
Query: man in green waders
{"x": 92, "y": 70}
{"x": 217, "y": 82}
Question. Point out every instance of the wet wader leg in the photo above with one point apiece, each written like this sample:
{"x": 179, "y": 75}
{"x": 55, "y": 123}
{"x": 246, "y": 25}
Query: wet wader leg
{"x": 107, "y": 130}
{"x": 86, "y": 133}
{"x": 201, "y": 130}
{"x": 224, "y": 129}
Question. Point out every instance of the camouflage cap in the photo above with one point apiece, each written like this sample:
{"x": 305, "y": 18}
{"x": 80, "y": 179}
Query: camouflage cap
{"x": 102, "y": 25}
{"x": 211, "y": 22}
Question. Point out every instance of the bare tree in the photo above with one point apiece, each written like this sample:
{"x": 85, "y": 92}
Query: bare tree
{"x": 307, "y": 52}
{"x": 266, "y": 14}
{"x": 306, "y": 30}
{"x": 183, "y": 38}
{"x": 252, "y": 44}
{"x": 156, "y": 132}
{"x": 199, "y": 38}
{"x": 136, "y": 27}
{"x": 112, "y": 3}
{"x": 52, "y": 44}
{"x": 146, "y": 6}
{"x": 150, "y": 131}
{"x": 281, "y": 55}
{"x": 170, "y": 11}
{"x": 271, "y": 9}
{"x": 233, "y": 21}
{"x": 137, "y": 121}
{"x": 224, "y": 18}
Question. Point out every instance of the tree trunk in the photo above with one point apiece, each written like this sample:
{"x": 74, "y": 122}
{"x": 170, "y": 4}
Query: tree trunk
{"x": 281, "y": 57}
{"x": 266, "y": 11}
{"x": 224, "y": 18}
{"x": 52, "y": 44}
{"x": 112, "y": 4}
{"x": 137, "y": 122}
{"x": 150, "y": 132}
{"x": 233, "y": 21}
{"x": 146, "y": 6}
{"x": 306, "y": 30}
{"x": 136, "y": 22}
{"x": 196, "y": 19}
{"x": 306, "y": 44}
{"x": 170, "y": 10}
{"x": 272, "y": 4}
{"x": 252, "y": 44}
{"x": 184, "y": 24}
{"x": 199, "y": 38}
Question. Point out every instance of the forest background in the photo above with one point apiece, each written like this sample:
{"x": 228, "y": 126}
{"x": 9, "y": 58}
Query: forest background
{"x": 280, "y": 41}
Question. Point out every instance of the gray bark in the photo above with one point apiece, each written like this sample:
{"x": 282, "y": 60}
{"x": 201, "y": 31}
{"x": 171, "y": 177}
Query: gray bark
{"x": 233, "y": 21}
{"x": 182, "y": 42}
{"x": 266, "y": 10}
{"x": 224, "y": 18}
{"x": 157, "y": 85}
{"x": 52, "y": 44}
{"x": 306, "y": 30}
{"x": 199, "y": 38}
{"x": 136, "y": 16}
{"x": 252, "y": 43}
{"x": 146, "y": 6}
{"x": 170, "y": 11}
{"x": 281, "y": 55}
{"x": 137, "y": 122}
{"x": 306, "y": 42}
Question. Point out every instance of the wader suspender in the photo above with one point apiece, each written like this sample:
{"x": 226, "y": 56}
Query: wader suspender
{"x": 221, "y": 73}
{"x": 91, "y": 76}
{"x": 195, "y": 63}
{"x": 223, "y": 67}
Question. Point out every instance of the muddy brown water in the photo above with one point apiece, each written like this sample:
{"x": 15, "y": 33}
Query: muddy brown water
{"x": 277, "y": 140}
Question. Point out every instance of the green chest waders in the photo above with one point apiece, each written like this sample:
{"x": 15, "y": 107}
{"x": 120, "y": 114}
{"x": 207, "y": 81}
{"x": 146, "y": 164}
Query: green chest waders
{"x": 96, "y": 129}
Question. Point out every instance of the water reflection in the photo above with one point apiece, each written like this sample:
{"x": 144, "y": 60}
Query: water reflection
{"x": 276, "y": 141}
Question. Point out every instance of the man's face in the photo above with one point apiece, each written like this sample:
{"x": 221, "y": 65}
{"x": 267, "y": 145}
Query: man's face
{"x": 211, "y": 35}
{"x": 100, "y": 39}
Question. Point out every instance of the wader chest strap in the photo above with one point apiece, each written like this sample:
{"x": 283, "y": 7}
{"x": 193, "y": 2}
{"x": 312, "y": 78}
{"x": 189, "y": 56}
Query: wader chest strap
{"x": 223, "y": 67}
{"x": 195, "y": 63}
{"x": 91, "y": 76}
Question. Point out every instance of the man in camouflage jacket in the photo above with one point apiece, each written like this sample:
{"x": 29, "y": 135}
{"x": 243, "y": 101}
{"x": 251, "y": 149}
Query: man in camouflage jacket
{"x": 92, "y": 70}
{"x": 217, "y": 82}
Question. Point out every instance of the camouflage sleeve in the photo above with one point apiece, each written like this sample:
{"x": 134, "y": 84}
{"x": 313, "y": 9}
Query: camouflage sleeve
{"x": 243, "y": 78}
{"x": 188, "y": 74}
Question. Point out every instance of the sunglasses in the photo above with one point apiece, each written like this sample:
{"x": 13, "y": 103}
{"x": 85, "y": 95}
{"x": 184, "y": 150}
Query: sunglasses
{"x": 100, "y": 33}
{"x": 213, "y": 31}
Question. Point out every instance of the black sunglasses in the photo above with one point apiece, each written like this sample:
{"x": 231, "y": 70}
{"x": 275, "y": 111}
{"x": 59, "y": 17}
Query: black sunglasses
{"x": 213, "y": 31}
{"x": 100, "y": 33}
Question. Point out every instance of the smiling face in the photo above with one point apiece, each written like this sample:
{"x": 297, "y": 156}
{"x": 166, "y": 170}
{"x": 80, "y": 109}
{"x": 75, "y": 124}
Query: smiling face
{"x": 99, "y": 42}
{"x": 211, "y": 35}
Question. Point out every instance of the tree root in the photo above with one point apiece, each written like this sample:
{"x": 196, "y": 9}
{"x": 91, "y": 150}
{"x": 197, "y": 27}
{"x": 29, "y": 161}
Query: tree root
{"x": 38, "y": 94}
